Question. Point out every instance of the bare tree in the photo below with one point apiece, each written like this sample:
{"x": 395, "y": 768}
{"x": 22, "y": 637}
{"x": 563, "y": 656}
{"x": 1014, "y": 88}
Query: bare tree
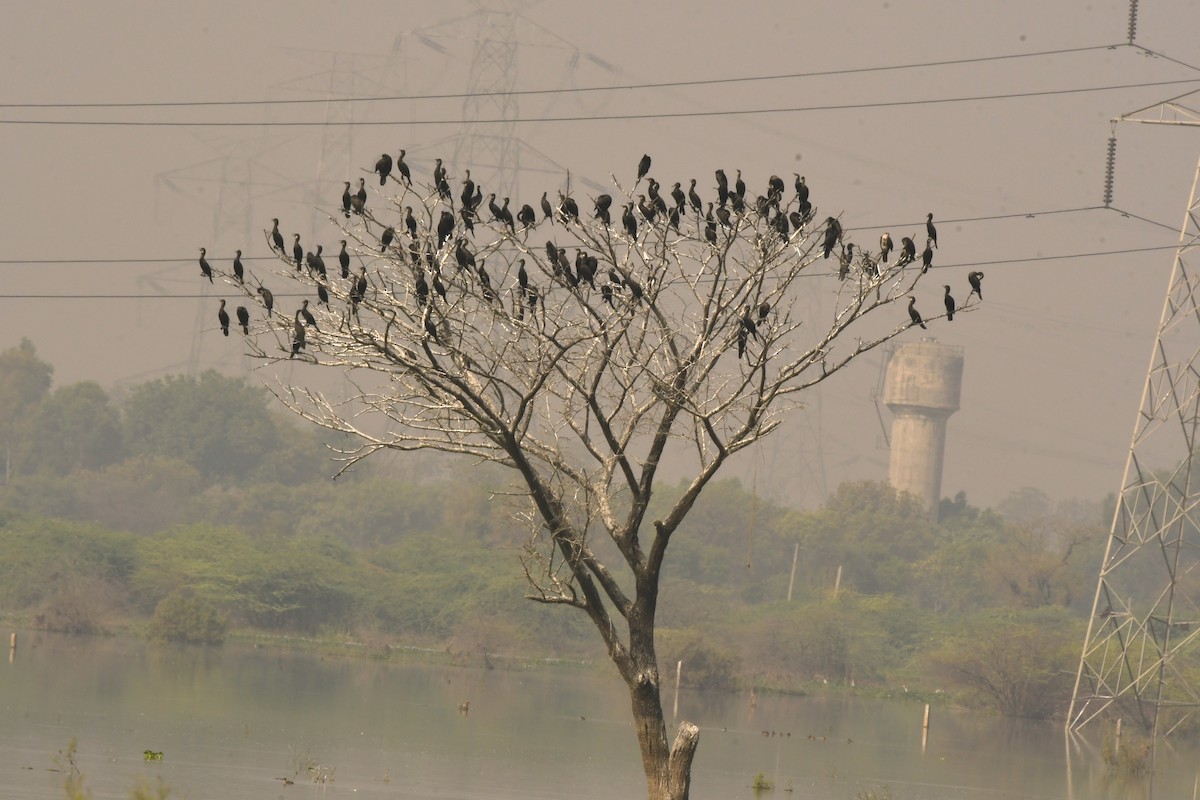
{"x": 580, "y": 351}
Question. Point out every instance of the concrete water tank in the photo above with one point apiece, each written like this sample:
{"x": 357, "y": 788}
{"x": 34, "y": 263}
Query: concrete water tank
{"x": 922, "y": 389}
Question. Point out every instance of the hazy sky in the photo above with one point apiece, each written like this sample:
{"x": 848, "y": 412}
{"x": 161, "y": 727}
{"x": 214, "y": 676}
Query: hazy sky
{"x": 1055, "y": 359}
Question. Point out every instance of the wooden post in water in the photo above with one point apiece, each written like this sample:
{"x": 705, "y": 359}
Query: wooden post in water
{"x": 925, "y": 729}
{"x": 837, "y": 582}
{"x": 678, "y": 675}
{"x": 792, "y": 580}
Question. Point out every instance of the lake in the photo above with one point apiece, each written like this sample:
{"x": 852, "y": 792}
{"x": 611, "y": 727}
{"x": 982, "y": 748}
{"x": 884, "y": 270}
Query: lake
{"x": 232, "y": 720}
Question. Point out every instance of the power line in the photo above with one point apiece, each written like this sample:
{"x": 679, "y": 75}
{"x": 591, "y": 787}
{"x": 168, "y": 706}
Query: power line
{"x": 215, "y": 295}
{"x": 570, "y": 90}
{"x": 605, "y": 117}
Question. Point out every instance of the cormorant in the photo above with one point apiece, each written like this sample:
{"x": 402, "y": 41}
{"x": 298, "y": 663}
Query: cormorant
{"x": 908, "y": 251}
{"x": 358, "y": 292}
{"x": 679, "y": 197}
{"x": 846, "y": 259}
{"x": 635, "y": 290}
{"x": 568, "y": 207}
{"x": 710, "y": 227}
{"x": 949, "y": 306}
{"x": 360, "y": 197}
{"x": 673, "y": 218}
{"x": 485, "y": 282}
{"x": 648, "y": 212}
{"x": 410, "y": 222}
{"x": 319, "y": 261}
{"x": 547, "y": 208}
{"x": 431, "y": 328}
{"x": 322, "y": 294}
{"x": 746, "y": 328}
{"x": 276, "y": 236}
{"x": 298, "y": 342}
{"x": 347, "y": 202}
{"x": 223, "y": 318}
{"x": 775, "y": 190}
{"x": 445, "y": 228}
{"x": 468, "y": 192}
{"x": 602, "y": 205}
{"x": 885, "y": 246}
{"x": 738, "y": 204}
{"x": 606, "y": 292}
{"x": 422, "y": 287}
{"x": 643, "y": 167}
{"x": 309, "y": 319}
{"x": 739, "y": 186}
{"x": 764, "y": 308}
{"x": 439, "y": 174}
{"x": 564, "y": 265}
{"x": 831, "y": 237}
{"x": 297, "y": 250}
{"x": 724, "y": 218}
{"x": 722, "y": 188}
{"x": 506, "y": 216}
{"x": 527, "y": 216}
{"x": 439, "y": 287}
{"x": 926, "y": 257}
{"x": 205, "y": 269}
{"x": 385, "y": 239}
{"x": 656, "y": 200}
{"x": 468, "y": 219}
{"x": 462, "y": 255}
{"x": 976, "y": 281}
{"x": 402, "y": 168}
{"x": 694, "y": 198}
{"x": 522, "y": 275}
{"x": 801, "y": 189}
{"x": 267, "y": 298}
{"x": 384, "y": 167}
{"x": 243, "y": 318}
{"x": 239, "y": 272}
{"x": 495, "y": 209}
{"x": 914, "y": 314}
{"x": 930, "y": 230}
{"x": 629, "y": 221}
{"x": 344, "y": 260}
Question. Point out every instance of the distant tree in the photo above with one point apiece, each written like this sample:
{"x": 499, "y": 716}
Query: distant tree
{"x": 650, "y": 334}
{"x": 77, "y": 427}
{"x": 24, "y": 382}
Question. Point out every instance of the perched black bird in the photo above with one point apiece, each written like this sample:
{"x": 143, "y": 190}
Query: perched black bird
{"x": 506, "y": 216}
{"x": 347, "y": 200}
{"x": 445, "y": 228}
{"x": 298, "y": 342}
{"x": 358, "y": 292}
{"x": 522, "y": 275}
{"x": 439, "y": 174}
{"x": 643, "y": 167}
{"x": 908, "y": 251}
{"x": 297, "y": 250}
{"x": 724, "y": 218}
{"x": 976, "y": 281}
{"x": 402, "y": 168}
{"x": 223, "y": 318}
{"x": 485, "y": 282}
{"x": 344, "y": 260}
{"x": 926, "y": 257}
{"x": 468, "y": 192}
{"x": 205, "y": 269}
{"x": 385, "y": 239}
{"x": 492, "y": 207}
{"x": 410, "y": 222}
{"x": 606, "y": 293}
{"x": 914, "y": 314}
{"x": 547, "y": 208}
{"x": 801, "y": 189}
{"x": 527, "y": 216}
{"x": 775, "y": 190}
{"x": 568, "y": 208}
{"x": 648, "y": 212}
{"x": 309, "y": 319}
{"x": 722, "y": 188}
{"x": 468, "y": 219}
{"x": 319, "y": 262}
{"x": 431, "y": 328}
{"x": 243, "y": 318}
{"x": 739, "y": 186}
{"x": 845, "y": 260}
{"x": 930, "y": 230}
{"x": 439, "y": 287}
{"x": 603, "y": 202}
{"x": 764, "y": 308}
{"x": 831, "y": 237}
{"x": 384, "y": 167}
{"x": 276, "y": 236}
{"x": 694, "y": 198}
{"x": 464, "y": 257}
{"x": 949, "y": 306}
{"x": 239, "y": 272}
{"x": 422, "y": 289}
{"x": 635, "y": 290}
{"x": 267, "y": 298}
{"x": 322, "y": 294}
{"x": 746, "y": 328}
{"x": 673, "y": 218}
{"x": 885, "y": 246}
{"x": 679, "y": 197}
{"x": 359, "y": 201}
{"x": 564, "y": 266}
{"x": 710, "y": 227}
{"x": 629, "y": 221}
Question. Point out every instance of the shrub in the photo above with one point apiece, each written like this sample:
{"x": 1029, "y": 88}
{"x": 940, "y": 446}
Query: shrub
{"x": 184, "y": 617}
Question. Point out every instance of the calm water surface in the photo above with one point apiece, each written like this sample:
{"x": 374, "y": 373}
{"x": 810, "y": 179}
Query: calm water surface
{"x": 232, "y": 720}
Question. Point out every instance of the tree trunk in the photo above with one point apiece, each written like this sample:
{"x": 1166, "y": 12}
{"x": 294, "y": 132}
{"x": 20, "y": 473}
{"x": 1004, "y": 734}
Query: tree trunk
{"x": 668, "y": 771}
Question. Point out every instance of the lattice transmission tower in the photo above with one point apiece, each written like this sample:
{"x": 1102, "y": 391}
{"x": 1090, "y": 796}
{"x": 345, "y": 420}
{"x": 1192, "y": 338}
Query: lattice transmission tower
{"x": 1146, "y": 613}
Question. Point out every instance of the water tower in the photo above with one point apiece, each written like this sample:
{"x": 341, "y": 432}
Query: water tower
{"x": 922, "y": 388}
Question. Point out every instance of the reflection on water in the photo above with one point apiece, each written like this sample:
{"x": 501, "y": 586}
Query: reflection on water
{"x": 232, "y": 721}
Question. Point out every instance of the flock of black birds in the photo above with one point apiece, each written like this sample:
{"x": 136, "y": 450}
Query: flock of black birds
{"x": 650, "y": 207}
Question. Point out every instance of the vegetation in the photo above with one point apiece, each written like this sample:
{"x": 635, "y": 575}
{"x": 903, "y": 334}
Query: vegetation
{"x": 978, "y": 606}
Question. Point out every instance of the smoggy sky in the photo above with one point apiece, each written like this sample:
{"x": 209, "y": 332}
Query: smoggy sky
{"x": 1055, "y": 358}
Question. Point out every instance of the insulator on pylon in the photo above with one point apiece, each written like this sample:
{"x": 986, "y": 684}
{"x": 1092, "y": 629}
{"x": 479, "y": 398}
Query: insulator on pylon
{"x": 1110, "y": 170}
{"x": 1133, "y": 7}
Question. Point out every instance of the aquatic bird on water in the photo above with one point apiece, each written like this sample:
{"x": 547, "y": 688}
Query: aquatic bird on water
{"x": 402, "y": 168}
{"x": 930, "y": 230}
{"x": 205, "y": 269}
{"x": 239, "y": 272}
{"x": 223, "y": 318}
{"x": 344, "y": 260}
{"x": 914, "y": 314}
{"x": 267, "y": 298}
{"x": 297, "y": 250}
{"x": 643, "y": 167}
{"x": 926, "y": 257}
{"x": 276, "y": 236}
{"x": 384, "y": 167}
{"x": 976, "y": 281}
{"x": 885, "y": 246}
{"x": 949, "y": 306}
{"x": 309, "y": 319}
{"x": 243, "y": 318}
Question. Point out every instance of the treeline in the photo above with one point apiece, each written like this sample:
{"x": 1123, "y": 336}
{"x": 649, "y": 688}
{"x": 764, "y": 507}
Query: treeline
{"x": 189, "y": 507}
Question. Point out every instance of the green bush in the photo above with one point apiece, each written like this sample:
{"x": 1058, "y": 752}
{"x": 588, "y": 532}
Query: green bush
{"x": 185, "y": 617}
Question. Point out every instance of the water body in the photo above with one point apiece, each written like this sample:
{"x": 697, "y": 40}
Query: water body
{"x": 231, "y": 721}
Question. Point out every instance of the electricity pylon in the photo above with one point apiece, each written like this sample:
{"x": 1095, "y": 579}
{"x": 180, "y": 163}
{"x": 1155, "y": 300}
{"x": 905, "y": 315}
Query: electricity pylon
{"x": 1146, "y": 612}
